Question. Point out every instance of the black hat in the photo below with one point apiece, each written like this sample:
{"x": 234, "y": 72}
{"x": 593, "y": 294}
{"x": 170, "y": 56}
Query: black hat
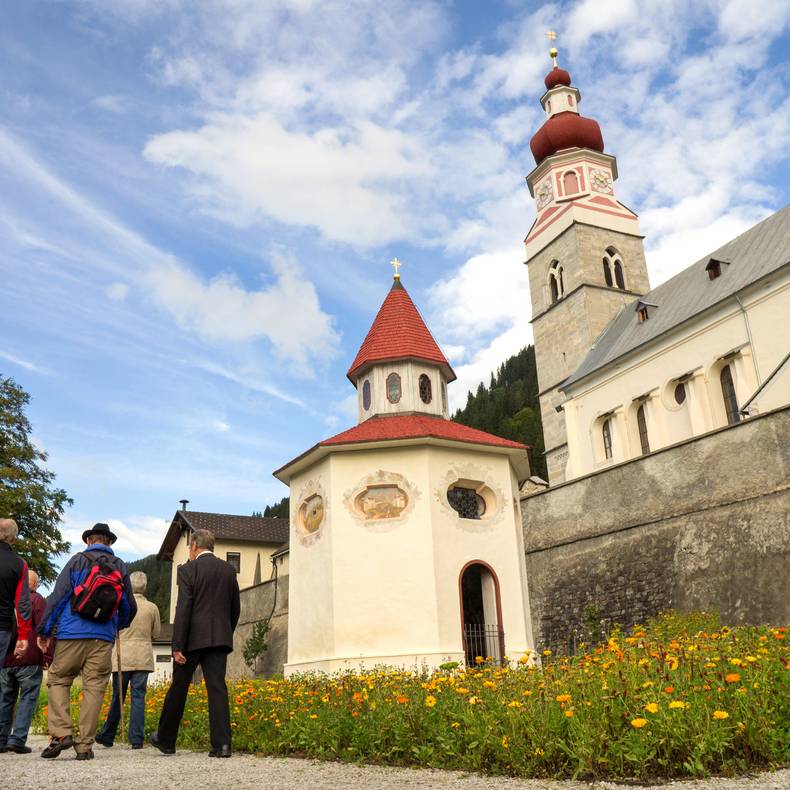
{"x": 99, "y": 529}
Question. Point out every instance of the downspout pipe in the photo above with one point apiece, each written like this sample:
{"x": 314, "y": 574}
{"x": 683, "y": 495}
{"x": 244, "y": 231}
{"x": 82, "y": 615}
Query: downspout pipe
{"x": 751, "y": 340}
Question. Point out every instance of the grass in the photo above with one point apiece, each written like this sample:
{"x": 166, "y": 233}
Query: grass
{"x": 677, "y": 697}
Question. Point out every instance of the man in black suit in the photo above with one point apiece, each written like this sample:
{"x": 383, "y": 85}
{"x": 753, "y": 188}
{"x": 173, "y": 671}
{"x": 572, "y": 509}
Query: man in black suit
{"x": 206, "y": 615}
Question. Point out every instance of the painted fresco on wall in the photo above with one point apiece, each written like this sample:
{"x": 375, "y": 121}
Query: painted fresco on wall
{"x": 312, "y": 512}
{"x": 381, "y": 500}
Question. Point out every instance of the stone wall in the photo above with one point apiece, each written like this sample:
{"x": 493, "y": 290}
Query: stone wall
{"x": 256, "y": 605}
{"x": 703, "y": 524}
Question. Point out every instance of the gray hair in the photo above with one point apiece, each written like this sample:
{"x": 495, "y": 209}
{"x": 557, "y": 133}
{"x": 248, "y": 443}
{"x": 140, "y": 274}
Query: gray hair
{"x": 203, "y": 539}
{"x": 8, "y": 530}
{"x": 139, "y": 582}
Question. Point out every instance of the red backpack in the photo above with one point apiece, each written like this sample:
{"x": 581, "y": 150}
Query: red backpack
{"x": 98, "y": 597}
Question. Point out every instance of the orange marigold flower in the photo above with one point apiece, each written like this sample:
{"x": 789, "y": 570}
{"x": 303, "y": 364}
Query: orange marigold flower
{"x": 569, "y": 713}
{"x": 401, "y": 700}
{"x": 638, "y": 723}
{"x": 563, "y": 698}
{"x": 668, "y": 689}
{"x": 732, "y": 677}
{"x": 720, "y": 714}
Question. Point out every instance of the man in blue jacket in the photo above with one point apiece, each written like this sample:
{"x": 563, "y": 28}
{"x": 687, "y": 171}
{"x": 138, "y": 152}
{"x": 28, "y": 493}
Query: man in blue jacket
{"x": 83, "y": 646}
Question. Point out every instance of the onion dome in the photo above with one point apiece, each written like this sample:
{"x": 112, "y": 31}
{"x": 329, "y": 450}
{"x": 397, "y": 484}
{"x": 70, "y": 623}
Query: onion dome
{"x": 555, "y": 77}
{"x": 565, "y": 130}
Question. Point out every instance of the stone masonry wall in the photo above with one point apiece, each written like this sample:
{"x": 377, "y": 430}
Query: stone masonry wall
{"x": 256, "y": 605}
{"x": 704, "y": 524}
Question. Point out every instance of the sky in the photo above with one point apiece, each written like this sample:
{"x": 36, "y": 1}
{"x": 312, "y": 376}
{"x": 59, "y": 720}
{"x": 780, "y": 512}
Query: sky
{"x": 199, "y": 201}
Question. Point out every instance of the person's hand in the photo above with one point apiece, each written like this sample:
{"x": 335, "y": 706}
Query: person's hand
{"x": 179, "y": 657}
{"x": 20, "y": 648}
{"x": 43, "y": 643}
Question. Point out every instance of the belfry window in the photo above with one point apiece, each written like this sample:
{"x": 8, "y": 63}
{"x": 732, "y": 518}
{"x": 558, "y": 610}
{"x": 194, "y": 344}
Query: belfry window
{"x": 613, "y": 272}
{"x": 606, "y": 434}
{"x": 366, "y": 395}
{"x": 730, "y": 398}
{"x": 641, "y": 421}
{"x": 556, "y": 282}
{"x": 393, "y": 388}
{"x": 426, "y": 394}
{"x": 570, "y": 183}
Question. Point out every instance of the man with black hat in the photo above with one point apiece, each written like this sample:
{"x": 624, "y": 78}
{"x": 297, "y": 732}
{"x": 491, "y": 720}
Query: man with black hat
{"x": 92, "y": 599}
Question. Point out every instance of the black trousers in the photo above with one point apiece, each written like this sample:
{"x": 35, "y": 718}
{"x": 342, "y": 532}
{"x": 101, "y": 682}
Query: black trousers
{"x": 213, "y": 661}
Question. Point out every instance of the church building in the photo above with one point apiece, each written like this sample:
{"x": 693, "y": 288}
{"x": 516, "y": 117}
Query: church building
{"x": 406, "y": 546}
{"x": 624, "y": 370}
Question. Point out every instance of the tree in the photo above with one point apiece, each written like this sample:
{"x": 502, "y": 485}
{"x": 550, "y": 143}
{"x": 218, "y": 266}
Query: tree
{"x": 158, "y": 587}
{"x": 280, "y": 510}
{"x": 27, "y": 491}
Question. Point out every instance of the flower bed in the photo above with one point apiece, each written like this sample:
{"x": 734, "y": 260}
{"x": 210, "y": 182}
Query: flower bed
{"x": 678, "y": 697}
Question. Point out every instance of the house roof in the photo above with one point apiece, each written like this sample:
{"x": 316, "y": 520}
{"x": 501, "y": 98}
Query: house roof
{"x": 749, "y": 257}
{"x": 398, "y": 332}
{"x": 224, "y": 526}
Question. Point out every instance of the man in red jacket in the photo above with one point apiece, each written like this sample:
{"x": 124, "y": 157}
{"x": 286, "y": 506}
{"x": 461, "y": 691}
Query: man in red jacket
{"x": 21, "y": 677}
{"x": 14, "y": 594}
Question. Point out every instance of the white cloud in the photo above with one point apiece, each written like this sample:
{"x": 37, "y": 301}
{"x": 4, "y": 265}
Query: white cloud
{"x": 117, "y": 292}
{"x": 112, "y": 103}
{"x": 138, "y": 536}
{"x": 22, "y": 363}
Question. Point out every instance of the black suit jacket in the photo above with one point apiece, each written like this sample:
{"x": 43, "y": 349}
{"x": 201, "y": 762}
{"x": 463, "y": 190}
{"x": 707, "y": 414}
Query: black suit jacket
{"x": 208, "y": 605}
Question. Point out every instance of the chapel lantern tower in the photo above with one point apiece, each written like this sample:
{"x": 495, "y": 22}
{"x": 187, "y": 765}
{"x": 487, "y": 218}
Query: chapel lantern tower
{"x": 584, "y": 250}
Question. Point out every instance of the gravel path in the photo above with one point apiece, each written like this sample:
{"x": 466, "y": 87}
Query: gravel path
{"x": 120, "y": 767}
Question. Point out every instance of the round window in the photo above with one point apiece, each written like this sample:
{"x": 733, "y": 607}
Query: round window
{"x": 466, "y": 502}
{"x": 393, "y": 388}
{"x": 366, "y": 395}
{"x": 425, "y": 389}
{"x": 680, "y": 393}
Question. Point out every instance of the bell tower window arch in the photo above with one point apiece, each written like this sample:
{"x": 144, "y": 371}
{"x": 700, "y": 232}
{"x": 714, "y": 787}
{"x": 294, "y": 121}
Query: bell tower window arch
{"x": 613, "y": 269}
{"x": 570, "y": 182}
{"x": 556, "y": 281}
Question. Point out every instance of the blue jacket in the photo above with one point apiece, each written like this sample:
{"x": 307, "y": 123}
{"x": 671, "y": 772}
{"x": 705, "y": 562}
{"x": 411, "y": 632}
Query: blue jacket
{"x": 67, "y": 625}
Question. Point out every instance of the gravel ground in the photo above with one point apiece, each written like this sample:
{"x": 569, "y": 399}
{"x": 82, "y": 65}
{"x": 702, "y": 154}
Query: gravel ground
{"x": 120, "y": 767}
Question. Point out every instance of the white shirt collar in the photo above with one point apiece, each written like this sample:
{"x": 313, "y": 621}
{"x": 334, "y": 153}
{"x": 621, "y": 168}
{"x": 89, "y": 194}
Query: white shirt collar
{"x": 204, "y": 551}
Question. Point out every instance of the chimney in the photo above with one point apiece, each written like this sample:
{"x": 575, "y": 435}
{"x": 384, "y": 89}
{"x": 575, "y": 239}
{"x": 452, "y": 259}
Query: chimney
{"x": 184, "y": 503}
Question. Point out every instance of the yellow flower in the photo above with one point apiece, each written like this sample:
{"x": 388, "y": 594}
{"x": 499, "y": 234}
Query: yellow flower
{"x": 643, "y": 661}
{"x": 489, "y": 684}
{"x": 547, "y": 652}
{"x": 313, "y": 716}
{"x": 720, "y": 714}
{"x": 569, "y": 713}
{"x": 736, "y": 662}
{"x": 751, "y": 659}
{"x": 430, "y": 701}
{"x": 741, "y": 726}
{"x": 638, "y": 723}
{"x": 527, "y": 693}
{"x": 462, "y": 690}
{"x": 515, "y": 704}
{"x": 733, "y": 677}
{"x": 479, "y": 660}
{"x": 676, "y": 703}
{"x": 651, "y": 707}
{"x": 563, "y": 698}
{"x": 505, "y": 742}
{"x": 455, "y": 725}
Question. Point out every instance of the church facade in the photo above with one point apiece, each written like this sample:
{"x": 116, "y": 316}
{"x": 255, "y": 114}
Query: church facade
{"x": 624, "y": 370}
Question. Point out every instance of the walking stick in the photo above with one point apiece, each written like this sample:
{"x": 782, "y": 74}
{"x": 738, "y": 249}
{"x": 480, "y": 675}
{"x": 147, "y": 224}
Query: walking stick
{"x": 120, "y": 680}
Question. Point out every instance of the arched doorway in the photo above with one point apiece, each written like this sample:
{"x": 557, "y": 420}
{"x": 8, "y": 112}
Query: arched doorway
{"x": 481, "y": 612}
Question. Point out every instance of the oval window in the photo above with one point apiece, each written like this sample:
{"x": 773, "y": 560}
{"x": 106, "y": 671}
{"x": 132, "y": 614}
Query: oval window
{"x": 444, "y": 397}
{"x": 680, "y": 393}
{"x": 311, "y": 513}
{"x": 378, "y": 502}
{"x": 426, "y": 393}
{"x": 466, "y": 502}
{"x": 393, "y": 388}
{"x": 366, "y": 395}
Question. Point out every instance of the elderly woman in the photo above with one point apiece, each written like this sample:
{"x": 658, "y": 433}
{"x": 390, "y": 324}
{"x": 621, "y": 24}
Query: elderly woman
{"x": 137, "y": 660}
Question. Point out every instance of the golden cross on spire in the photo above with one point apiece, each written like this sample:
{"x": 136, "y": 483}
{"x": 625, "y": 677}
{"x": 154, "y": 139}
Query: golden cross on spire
{"x": 396, "y": 264}
{"x": 551, "y": 35}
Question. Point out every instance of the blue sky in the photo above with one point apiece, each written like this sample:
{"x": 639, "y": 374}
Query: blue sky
{"x": 198, "y": 202}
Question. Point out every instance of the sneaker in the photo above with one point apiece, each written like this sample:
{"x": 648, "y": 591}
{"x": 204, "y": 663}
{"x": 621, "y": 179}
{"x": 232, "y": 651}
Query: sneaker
{"x": 57, "y": 745}
{"x": 18, "y": 749}
{"x": 85, "y": 755}
{"x": 137, "y": 746}
{"x": 106, "y": 742}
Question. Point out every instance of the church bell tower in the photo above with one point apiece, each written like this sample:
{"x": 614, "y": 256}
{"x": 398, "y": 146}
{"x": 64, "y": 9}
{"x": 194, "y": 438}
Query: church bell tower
{"x": 584, "y": 250}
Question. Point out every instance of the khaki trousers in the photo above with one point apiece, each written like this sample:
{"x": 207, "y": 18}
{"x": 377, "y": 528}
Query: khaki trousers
{"x": 90, "y": 658}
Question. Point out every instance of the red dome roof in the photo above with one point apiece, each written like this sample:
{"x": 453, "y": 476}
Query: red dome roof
{"x": 565, "y": 130}
{"x": 557, "y": 76}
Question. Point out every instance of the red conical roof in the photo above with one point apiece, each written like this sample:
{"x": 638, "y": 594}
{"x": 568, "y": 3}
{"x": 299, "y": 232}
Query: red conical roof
{"x": 555, "y": 77}
{"x": 398, "y": 332}
{"x": 565, "y": 130}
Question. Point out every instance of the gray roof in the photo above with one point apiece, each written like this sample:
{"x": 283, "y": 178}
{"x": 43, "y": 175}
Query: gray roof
{"x": 746, "y": 259}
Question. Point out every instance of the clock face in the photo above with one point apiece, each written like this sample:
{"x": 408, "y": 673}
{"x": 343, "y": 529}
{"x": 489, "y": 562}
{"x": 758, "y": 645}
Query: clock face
{"x": 544, "y": 193}
{"x": 601, "y": 181}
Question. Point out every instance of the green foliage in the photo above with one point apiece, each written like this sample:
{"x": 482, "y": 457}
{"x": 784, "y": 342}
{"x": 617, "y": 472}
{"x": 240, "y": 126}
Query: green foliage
{"x": 27, "y": 493}
{"x": 280, "y": 510}
{"x": 159, "y": 577}
{"x": 509, "y": 406}
{"x": 256, "y": 646}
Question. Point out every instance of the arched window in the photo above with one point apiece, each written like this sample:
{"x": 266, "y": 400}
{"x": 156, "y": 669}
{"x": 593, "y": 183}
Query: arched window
{"x": 606, "y": 433}
{"x": 730, "y": 398}
{"x": 561, "y": 281}
{"x": 426, "y": 393}
{"x": 444, "y": 397}
{"x": 366, "y": 395}
{"x": 607, "y": 272}
{"x": 570, "y": 100}
{"x": 555, "y": 294}
{"x": 556, "y": 282}
{"x": 466, "y": 502}
{"x": 393, "y": 388}
{"x": 613, "y": 270}
{"x": 570, "y": 183}
{"x": 641, "y": 421}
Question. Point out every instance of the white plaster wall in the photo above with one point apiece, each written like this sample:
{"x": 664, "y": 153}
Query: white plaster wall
{"x": 410, "y": 401}
{"x": 389, "y": 590}
{"x": 696, "y": 348}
